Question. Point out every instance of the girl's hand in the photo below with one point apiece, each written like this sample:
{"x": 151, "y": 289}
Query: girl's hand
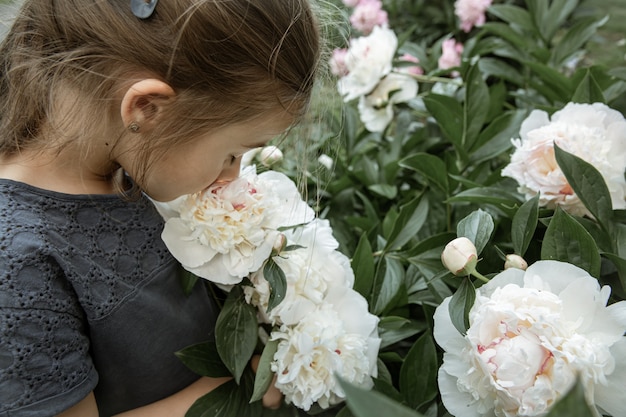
{"x": 273, "y": 397}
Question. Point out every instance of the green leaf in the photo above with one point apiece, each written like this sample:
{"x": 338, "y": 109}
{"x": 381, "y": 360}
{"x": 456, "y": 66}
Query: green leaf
{"x": 418, "y": 374}
{"x": 384, "y": 190}
{"x": 588, "y": 185}
{"x": 410, "y": 220}
{"x": 477, "y": 227}
{"x": 449, "y": 116}
{"x": 568, "y": 241}
{"x": 476, "y": 106}
{"x": 524, "y": 224}
{"x": 389, "y": 286}
{"x": 277, "y": 281}
{"x": 495, "y": 196}
{"x": 552, "y": 78}
{"x": 513, "y": 15}
{"x": 620, "y": 265}
{"x": 460, "y": 305}
{"x": 264, "y": 374}
{"x": 429, "y": 166}
{"x": 498, "y": 68}
{"x": 572, "y": 404}
{"x": 495, "y": 139}
{"x": 236, "y": 332}
{"x": 203, "y": 359}
{"x": 363, "y": 267}
{"x": 505, "y": 32}
{"x": 227, "y": 400}
{"x": 365, "y": 403}
{"x": 588, "y": 90}
{"x": 556, "y": 16}
{"x": 187, "y": 280}
{"x": 575, "y": 38}
{"x": 392, "y": 329}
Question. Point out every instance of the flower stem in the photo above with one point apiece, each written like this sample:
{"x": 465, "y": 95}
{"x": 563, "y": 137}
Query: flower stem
{"x": 480, "y": 276}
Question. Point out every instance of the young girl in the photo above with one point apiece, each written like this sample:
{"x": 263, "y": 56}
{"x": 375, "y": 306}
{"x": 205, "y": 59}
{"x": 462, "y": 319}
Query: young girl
{"x": 102, "y": 103}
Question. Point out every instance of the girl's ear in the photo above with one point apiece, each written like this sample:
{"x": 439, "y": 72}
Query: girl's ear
{"x": 143, "y": 102}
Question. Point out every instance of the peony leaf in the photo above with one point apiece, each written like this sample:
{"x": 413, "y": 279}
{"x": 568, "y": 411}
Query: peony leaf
{"x": 418, "y": 374}
{"x": 512, "y": 14}
{"x": 203, "y": 359}
{"x": 236, "y": 332}
{"x": 476, "y": 106}
{"x": 264, "y": 374}
{"x": 477, "y": 227}
{"x": 449, "y": 116}
{"x": 524, "y": 225}
{"x": 277, "y": 281}
{"x": 228, "y": 400}
{"x": 460, "y": 305}
{"x": 187, "y": 279}
{"x": 389, "y": 279}
{"x": 568, "y": 241}
{"x": 392, "y": 329}
{"x": 620, "y": 265}
{"x": 364, "y": 403}
{"x": 588, "y": 90}
{"x": 588, "y": 185}
{"x": 410, "y": 220}
{"x": 430, "y": 166}
{"x": 575, "y": 38}
{"x": 497, "y": 197}
{"x": 363, "y": 266}
{"x": 572, "y": 404}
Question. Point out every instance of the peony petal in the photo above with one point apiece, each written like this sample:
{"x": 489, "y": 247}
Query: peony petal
{"x": 189, "y": 252}
{"x": 556, "y": 275}
{"x": 446, "y": 335}
{"x": 508, "y": 276}
{"x": 535, "y": 120}
{"x": 460, "y": 404}
{"x": 610, "y": 397}
{"x": 215, "y": 272}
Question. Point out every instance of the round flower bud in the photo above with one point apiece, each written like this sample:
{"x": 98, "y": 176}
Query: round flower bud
{"x": 460, "y": 256}
{"x": 270, "y": 155}
{"x": 279, "y": 244}
{"x": 515, "y": 261}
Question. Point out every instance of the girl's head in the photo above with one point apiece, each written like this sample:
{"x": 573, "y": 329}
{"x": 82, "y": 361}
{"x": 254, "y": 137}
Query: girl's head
{"x": 67, "y": 67}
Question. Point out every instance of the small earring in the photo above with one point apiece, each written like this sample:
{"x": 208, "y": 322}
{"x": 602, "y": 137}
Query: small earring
{"x": 133, "y": 127}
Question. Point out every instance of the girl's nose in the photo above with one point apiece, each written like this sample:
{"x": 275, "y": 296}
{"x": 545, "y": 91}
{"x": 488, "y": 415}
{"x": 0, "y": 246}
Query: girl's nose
{"x": 230, "y": 172}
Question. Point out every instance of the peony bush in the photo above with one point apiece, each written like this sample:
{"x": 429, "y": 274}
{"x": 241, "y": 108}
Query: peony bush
{"x": 465, "y": 194}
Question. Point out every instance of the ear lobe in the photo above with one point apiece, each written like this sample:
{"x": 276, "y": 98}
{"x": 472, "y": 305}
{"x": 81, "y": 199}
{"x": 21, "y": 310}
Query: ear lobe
{"x": 143, "y": 101}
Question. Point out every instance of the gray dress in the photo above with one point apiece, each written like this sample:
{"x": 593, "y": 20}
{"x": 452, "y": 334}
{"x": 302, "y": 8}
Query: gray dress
{"x": 90, "y": 300}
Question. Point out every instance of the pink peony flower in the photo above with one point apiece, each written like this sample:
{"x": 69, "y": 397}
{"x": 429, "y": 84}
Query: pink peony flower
{"x": 471, "y": 13}
{"x": 338, "y": 62}
{"x": 415, "y": 70}
{"x": 367, "y": 14}
{"x": 451, "y": 51}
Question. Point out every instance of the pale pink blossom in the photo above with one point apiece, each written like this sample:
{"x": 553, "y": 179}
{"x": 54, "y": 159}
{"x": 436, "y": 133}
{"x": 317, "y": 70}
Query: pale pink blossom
{"x": 367, "y": 14}
{"x": 471, "y": 13}
{"x": 451, "y": 51}
{"x": 338, "y": 62}
{"x": 351, "y": 3}
{"x": 414, "y": 70}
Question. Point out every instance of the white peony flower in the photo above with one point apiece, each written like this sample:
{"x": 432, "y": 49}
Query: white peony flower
{"x": 339, "y": 337}
{"x": 311, "y": 272}
{"x": 368, "y": 60}
{"x": 531, "y": 333}
{"x": 228, "y": 230}
{"x": 593, "y": 132}
{"x": 376, "y": 108}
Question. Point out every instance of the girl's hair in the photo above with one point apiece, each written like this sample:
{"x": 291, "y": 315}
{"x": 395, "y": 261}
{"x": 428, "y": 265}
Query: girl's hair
{"x": 228, "y": 61}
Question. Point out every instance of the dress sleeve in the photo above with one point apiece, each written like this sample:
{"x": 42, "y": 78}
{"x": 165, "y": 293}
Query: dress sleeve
{"x": 45, "y": 365}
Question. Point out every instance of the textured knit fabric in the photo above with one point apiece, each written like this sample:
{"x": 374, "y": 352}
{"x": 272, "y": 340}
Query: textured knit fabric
{"x": 90, "y": 300}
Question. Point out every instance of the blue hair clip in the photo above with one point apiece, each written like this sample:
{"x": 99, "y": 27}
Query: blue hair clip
{"x": 143, "y": 9}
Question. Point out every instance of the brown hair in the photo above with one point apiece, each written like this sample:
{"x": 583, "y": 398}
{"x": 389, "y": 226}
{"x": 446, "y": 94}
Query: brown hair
{"x": 227, "y": 60}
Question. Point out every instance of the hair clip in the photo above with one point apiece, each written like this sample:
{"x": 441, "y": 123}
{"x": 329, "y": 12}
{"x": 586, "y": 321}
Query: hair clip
{"x": 143, "y": 9}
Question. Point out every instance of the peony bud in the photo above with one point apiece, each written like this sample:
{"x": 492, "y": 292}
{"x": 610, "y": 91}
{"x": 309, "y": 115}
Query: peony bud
{"x": 326, "y": 161}
{"x": 515, "y": 261}
{"x": 270, "y": 155}
{"x": 279, "y": 244}
{"x": 460, "y": 256}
